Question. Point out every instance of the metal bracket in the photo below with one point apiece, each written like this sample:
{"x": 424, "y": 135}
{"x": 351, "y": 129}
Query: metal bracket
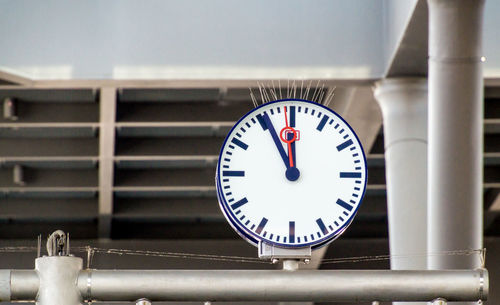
{"x": 272, "y": 252}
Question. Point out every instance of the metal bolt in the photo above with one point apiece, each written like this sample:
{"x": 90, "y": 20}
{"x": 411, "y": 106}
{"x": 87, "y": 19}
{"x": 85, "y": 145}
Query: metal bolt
{"x": 275, "y": 260}
{"x": 307, "y": 261}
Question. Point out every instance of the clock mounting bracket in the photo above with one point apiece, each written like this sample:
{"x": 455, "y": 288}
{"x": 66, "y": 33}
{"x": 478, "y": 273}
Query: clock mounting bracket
{"x": 274, "y": 253}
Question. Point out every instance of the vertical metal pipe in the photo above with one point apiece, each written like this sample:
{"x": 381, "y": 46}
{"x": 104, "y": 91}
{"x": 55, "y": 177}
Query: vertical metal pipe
{"x": 455, "y": 211}
{"x": 404, "y": 108}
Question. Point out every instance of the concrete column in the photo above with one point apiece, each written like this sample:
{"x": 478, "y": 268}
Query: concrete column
{"x": 455, "y": 209}
{"x": 404, "y": 108}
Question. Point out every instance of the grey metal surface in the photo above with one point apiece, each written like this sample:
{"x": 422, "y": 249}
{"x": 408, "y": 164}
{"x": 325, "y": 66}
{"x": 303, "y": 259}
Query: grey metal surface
{"x": 245, "y": 285}
{"x": 24, "y": 284}
{"x": 404, "y": 106}
{"x": 455, "y": 131}
{"x": 58, "y": 278}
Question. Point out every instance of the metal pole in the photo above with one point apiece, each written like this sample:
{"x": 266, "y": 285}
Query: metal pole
{"x": 404, "y": 108}
{"x": 277, "y": 285}
{"x": 455, "y": 209}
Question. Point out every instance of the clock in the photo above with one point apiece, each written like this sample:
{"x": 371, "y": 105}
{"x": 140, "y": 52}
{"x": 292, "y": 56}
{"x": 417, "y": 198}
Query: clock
{"x": 291, "y": 173}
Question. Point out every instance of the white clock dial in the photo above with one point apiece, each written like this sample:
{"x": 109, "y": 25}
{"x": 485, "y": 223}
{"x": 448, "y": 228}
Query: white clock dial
{"x": 291, "y": 173}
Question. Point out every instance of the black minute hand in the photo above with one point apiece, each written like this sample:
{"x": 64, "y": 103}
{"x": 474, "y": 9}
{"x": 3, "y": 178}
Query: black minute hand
{"x": 276, "y": 139}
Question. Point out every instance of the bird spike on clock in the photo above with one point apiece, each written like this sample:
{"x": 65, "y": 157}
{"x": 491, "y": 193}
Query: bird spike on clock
{"x": 274, "y": 92}
{"x": 291, "y": 173}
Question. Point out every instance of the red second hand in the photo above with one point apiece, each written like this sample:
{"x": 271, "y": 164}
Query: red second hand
{"x": 290, "y": 156}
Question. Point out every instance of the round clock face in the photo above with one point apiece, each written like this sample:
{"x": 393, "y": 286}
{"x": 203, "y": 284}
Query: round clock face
{"x": 291, "y": 173}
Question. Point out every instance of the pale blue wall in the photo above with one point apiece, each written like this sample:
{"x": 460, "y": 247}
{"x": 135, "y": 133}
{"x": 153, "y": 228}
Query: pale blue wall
{"x": 91, "y": 38}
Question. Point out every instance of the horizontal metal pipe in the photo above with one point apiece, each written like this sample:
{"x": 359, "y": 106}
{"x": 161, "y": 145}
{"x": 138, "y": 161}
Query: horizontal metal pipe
{"x": 24, "y": 285}
{"x": 251, "y": 285}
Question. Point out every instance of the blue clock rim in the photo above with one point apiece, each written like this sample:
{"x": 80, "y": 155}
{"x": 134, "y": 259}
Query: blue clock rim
{"x": 249, "y": 235}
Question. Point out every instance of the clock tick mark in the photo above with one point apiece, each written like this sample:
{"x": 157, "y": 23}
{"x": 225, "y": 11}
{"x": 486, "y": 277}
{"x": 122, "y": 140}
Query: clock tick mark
{"x": 341, "y": 219}
{"x": 291, "y": 231}
{"x": 237, "y": 212}
{"x": 330, "y": 227}
{"x": 319, "y": 114}
{"x": 312, "y": 112}
{"x": 337, "y": 126}
{"x": 253, "y": 226}
{"x": 344, "y": 204}
{"x": 231, "y": 146}
{"x": 229, "y": 153}
{"x": 279, "y": 110}
{"x": 243, "y": 129}
{"x": 231, "y": 200}
{"x": 305, "y": 110}
{"x": 346, "y": 136}
{"x": 226, "y": 187}
{"x": 239, "y": 203}
{"x": 271, "y": 236}
{"x": 253, "y": 120}
{"x": 357, "y": 181}
{"x": 331, "y": 122}
{"x": 357, "y": 188}
{"x": 322, "y": 226}
{"x": 352, "y": 148}
{"x": 341, "y": 131}
{"x": 225, "y": 166}
{"x": 357, "y": 168}
{"x": 265, "y": 233}
{"x": 261, "y": 226}
{"x": 345, "y": 213}
{"x": 355, "y": 155}
{"x": 350, "y": 175}
{"x": 356, "y": 161}
{"x": 352, "y": 201}
{"x": 233, "y": 173}
{"x": 300, "y": 108}
{"x": 305, "y": 238}
{"x": 239, "y": 143}
{"x": 344, "y": 145}
{"x": 355, "y": 195}
{"x": 336, "y": 223}
{"x": 248, "y": 125}
{"x": 322, "y": 123}
{"x": 272, "y": 111}
{"x": 225, "y": 180}
{"x": 242, "y": 217}
{"x": 227, "y": 159}
{"x": 246, "y": 223}
{"x": 319, "y": 234}
{"x": 229, "y": 194}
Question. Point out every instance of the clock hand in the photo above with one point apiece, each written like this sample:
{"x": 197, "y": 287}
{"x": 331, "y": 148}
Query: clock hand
{"x": 291, "y": 173}
{"x": 289, "y": 140}
{"x": 276, "y": 140}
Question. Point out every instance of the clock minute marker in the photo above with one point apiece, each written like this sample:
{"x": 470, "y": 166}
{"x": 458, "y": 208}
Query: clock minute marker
{"x": 239, "y": 143}
{"x": 261, "y": 225}
{"x": 239, "y": 203}
{"x": 322, "y": 123}
{"x": 291, "y": 231}
{"x": 344, "y": 145}
{"x": 322, "y": 226}
{"x": 350, "y": 175}
{"x": 233, "y": 173}
{"x": 344, "y": 204}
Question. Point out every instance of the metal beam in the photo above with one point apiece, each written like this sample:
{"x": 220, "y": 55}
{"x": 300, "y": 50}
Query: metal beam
{"x": 106, "y": 162}
{"x": 256, "y": 285}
